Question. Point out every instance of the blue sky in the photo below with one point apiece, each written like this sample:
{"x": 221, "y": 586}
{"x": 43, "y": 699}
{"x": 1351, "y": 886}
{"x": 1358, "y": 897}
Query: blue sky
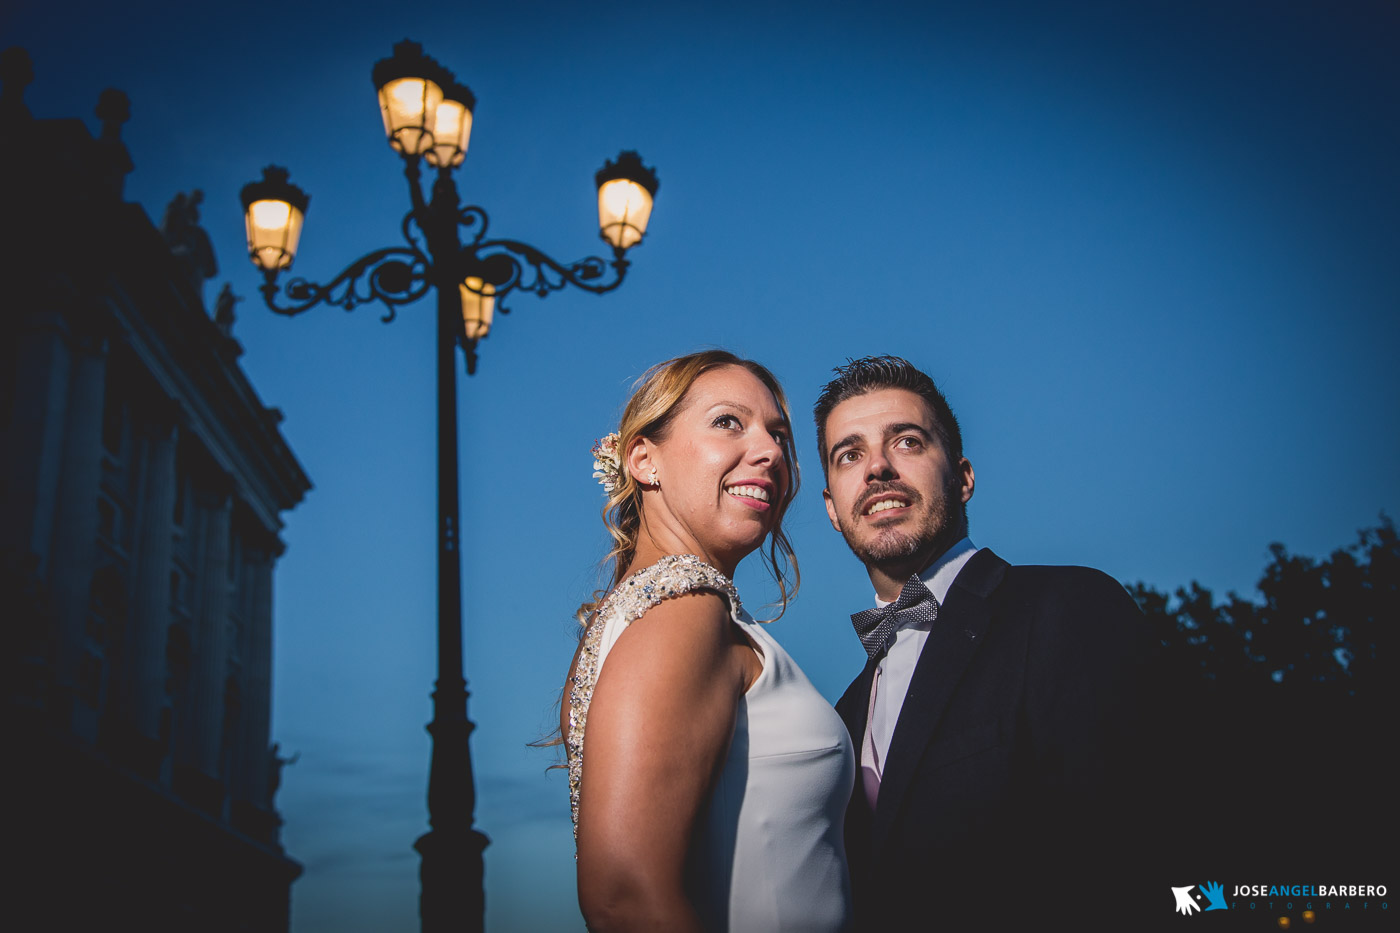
{"x": 1149, "y": 250}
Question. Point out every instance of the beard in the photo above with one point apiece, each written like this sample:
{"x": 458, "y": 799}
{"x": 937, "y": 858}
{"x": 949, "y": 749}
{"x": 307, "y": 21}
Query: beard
{"x": 939, "y": 529}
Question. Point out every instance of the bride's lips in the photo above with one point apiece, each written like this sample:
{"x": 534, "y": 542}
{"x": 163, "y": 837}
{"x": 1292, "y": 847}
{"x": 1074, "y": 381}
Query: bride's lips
{"x": 757, "y": 494}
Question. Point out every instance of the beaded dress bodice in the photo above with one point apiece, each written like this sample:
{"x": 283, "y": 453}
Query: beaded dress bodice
{"x": 673, "y": 575}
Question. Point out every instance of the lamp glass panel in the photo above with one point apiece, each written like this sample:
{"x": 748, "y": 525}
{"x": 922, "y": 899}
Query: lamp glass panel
{"x": 451, "y": 129}
{"x": 274, "y": 229}
{"x": 409, "y": 106}
{"x": 478, "y": 304}
{"x": 624, "y": 207}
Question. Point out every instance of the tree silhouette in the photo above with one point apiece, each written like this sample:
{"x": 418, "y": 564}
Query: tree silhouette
{"x": 1330, "y": 624}
{"x": 1284, "y": 708}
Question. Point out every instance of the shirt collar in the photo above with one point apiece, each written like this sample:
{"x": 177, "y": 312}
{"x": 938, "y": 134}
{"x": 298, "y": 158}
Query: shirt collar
{"x": 939, "y": 575}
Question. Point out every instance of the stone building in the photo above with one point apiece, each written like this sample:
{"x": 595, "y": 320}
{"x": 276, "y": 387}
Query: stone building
{"x": 140, "y": 508}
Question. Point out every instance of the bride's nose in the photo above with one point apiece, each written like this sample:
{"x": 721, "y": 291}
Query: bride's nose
{"x": 766, "y": 449}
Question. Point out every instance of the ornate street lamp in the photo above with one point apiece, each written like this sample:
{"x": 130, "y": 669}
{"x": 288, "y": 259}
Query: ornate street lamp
{"x": 452, "y": 126}
{"x": 274, "y": 209}
{"x": 626, "y": 189}
{"x": 428, "y": 117}
{"x": 410, "y": 90}
{"x": 478, "y": 303}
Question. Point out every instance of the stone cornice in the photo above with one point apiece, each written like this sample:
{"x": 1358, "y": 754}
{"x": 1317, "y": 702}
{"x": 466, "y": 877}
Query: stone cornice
{"x": 102, "y": 264}
{"x": 187, "y": 354}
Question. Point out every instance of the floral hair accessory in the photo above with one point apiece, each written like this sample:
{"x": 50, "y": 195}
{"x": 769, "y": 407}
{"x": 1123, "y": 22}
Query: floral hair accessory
{"x": 607, "y": 462}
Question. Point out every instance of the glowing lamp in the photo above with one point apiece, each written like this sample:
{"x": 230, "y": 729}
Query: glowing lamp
{"x": 478, "y": 304}
{"x": 410, "y": 91}
{"x": 273, "y": 210}
{"x": 452, "y": 125}
{"x": 626, "y": 190}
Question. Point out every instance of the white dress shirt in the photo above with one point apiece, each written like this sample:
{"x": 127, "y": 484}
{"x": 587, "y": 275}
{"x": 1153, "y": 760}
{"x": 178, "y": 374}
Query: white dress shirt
{"x": 896, "y": 668}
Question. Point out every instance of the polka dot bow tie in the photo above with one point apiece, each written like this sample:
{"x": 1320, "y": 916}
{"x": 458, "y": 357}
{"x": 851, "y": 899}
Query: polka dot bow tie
{"x": 876, "y": 627}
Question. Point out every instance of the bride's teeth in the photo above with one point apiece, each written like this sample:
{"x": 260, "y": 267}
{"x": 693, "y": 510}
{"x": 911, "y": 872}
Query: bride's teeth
{"x": 750, "y": 492}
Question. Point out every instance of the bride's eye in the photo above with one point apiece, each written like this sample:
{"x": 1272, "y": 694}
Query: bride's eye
{"x": 726, "y": 421}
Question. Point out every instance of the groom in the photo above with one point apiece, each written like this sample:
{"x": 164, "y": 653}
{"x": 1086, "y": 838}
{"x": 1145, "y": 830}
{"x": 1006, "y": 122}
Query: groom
{"x": 997, "y": 715}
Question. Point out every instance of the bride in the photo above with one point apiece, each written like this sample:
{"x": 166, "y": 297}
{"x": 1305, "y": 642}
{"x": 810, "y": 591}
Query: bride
{"x": 708, "y": 778}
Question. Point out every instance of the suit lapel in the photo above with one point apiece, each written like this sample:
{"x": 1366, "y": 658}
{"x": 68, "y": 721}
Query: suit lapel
{"x": 954, "y": 639}
{"x": 854, "y": 704}
{"x": 853, "y": 708}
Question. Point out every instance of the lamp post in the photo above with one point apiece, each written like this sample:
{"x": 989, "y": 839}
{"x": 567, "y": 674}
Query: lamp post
{"x": 428, "y": 118}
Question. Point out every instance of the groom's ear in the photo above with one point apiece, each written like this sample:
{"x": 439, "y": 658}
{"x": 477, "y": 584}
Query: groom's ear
{"x": 967, "y": 480}
{"x": 830, "y": 509}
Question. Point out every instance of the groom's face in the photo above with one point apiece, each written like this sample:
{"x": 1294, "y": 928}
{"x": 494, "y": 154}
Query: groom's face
{"x": 892, "y": 491}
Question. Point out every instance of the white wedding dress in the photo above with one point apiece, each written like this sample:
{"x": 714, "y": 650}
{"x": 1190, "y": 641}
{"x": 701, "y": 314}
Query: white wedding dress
{"x": 768, "y": 853}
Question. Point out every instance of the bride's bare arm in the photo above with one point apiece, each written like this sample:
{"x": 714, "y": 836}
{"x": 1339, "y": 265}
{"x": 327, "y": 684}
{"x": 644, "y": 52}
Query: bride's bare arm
{"x": 659, "y": 728}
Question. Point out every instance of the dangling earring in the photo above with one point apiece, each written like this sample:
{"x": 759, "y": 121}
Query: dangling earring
{"x": 654, "y": 481}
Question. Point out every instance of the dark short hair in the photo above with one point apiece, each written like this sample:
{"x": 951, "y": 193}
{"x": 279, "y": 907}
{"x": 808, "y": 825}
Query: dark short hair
{"x": 872, "y": 373}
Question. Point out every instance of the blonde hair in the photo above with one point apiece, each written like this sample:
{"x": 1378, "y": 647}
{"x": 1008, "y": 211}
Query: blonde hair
{"x": 656, "y": 399}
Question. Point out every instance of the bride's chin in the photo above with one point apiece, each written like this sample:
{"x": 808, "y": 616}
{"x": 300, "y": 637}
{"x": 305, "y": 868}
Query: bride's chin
{"x": 741, "y": 553}
{"x": 738, "y": 539}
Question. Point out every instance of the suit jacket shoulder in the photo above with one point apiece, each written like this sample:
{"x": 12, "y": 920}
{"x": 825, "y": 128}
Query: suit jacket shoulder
{"x": 1070, "y": 588}
{"x": 1082, "y": 627}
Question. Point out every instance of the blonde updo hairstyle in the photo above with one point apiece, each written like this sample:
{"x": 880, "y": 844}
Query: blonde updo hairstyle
{"x": 656, "y": 399}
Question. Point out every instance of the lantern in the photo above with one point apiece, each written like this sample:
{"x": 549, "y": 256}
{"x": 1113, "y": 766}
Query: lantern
{"x": 410, "y": 91}
{"x": 273, "y": 210}
{"x": 626, "y": 189}
{"x": 452, "y": 125}
{"x": 478, "y": 304}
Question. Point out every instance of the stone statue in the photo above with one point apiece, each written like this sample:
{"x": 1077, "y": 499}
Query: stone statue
{"x": 275, "y": 764}
{"x": 188, "y": 241}
{"x": 223, "y": 309}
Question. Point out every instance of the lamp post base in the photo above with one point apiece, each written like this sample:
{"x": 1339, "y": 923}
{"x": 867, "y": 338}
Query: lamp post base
{"x": 453, "y": 897}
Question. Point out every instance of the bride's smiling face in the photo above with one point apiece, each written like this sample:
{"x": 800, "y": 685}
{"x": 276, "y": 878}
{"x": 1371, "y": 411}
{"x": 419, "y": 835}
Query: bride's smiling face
{"x": 720, "y": 467}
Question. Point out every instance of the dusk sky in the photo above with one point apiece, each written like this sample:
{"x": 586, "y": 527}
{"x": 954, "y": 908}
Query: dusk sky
{"x": 1151, "y": 252}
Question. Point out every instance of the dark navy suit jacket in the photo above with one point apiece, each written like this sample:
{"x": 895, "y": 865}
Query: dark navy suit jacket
{"x": 1017, "y": 785}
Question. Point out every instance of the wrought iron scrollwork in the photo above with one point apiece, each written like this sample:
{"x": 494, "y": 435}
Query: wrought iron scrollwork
{"x": 401, "y": 275}
{"x": 521, "y": 266}
{"x": 473, "y": 216}
{"x": 393, "y": 276}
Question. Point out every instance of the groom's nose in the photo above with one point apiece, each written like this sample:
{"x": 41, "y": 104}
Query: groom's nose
{"x": 878, "y": 467}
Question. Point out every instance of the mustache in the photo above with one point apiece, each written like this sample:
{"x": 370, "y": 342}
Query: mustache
{"x": 877, "y": 490}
